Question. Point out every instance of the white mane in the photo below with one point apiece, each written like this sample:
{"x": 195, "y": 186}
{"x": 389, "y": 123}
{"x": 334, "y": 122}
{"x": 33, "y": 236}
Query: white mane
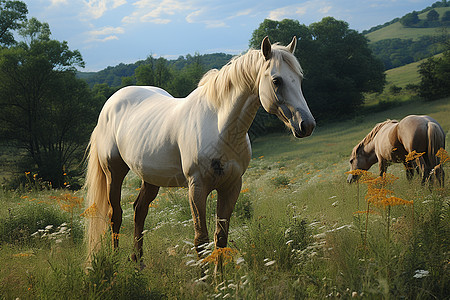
{"x": 243, "y": 73}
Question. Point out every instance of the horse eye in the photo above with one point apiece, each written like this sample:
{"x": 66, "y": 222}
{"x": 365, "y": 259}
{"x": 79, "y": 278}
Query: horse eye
{"x": 277, "y": 81}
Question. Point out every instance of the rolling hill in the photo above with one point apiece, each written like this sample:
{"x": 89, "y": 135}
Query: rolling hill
{"x": 398, "y": 31}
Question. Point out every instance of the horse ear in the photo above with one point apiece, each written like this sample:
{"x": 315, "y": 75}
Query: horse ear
{"x": 266, "y": 48}
{"x": 292, "y": 45}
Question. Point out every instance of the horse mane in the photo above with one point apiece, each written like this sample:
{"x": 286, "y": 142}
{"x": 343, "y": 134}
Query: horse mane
{"x": 242, "y": 73}
{"x": 371, "y": 135}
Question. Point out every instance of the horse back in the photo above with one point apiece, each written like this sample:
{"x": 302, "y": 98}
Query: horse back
{"x": 418, "y": 132}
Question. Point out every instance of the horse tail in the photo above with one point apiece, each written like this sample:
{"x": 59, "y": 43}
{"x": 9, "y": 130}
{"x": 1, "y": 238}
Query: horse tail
{"x": 436, "y": 140}
{"x": 97, "y": 199}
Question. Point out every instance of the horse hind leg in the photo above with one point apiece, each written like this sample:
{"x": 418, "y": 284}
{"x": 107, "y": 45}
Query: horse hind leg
{"x": 146, "y": 195}
{"x": 116, "y": 172}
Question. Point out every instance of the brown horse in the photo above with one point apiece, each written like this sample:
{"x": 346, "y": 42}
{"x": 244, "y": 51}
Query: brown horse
{"x": 390, "y": 142}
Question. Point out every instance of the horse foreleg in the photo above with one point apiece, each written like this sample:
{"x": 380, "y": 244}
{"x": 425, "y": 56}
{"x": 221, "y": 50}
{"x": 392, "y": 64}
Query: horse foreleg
{"x": 146, "y": 195}
{"x": 382, "y": 165}
{"x": 197, "y": 201}
{"x": 226, "y": 199}
{"x": 410, "y": 167}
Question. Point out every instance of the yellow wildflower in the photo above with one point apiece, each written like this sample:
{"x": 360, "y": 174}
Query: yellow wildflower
{"x": 443, "y": 155}
{"x": 91, "y": 211}
{"x": 413, "y": 155}
{"x": 226, "y": 254}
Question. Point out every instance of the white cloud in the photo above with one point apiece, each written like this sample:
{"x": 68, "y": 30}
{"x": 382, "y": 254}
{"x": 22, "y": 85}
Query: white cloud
{"x": 242, "y": 13}
{"x": 203, "y": 16}
{"x": 156, "y": 11}
{"x": 296, "y": 10}
{"x": 97, "y": 8}
{"x": 281, "y": 13}
{"x": 325, "y": 10}
{"x": 57, "y": 2}
{"x": 104, "y": 34}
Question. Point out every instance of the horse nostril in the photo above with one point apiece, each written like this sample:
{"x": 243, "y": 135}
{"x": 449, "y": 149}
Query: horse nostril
{"x": 307, "y": 126}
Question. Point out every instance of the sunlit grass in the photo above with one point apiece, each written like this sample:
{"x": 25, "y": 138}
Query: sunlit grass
{"x": 295, "y": 232}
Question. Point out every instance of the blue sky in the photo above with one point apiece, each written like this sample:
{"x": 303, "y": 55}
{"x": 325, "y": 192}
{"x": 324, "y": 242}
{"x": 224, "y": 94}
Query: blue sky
{"x": 108, "y": 32}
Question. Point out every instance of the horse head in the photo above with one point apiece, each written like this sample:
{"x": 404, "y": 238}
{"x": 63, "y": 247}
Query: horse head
{"x": 280, "y": 89}
{"x": 360, "y": 160}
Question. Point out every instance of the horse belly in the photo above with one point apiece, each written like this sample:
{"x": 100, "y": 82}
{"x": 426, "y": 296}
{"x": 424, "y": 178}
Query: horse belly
{"x": 159, "y": 166}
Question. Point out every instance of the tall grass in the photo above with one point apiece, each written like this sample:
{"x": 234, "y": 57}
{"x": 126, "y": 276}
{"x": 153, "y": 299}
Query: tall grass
{"x": 295, "y": 233}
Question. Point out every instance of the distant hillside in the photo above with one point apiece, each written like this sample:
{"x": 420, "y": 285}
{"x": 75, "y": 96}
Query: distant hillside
{"x": 435, "y": 5}
{"x": 398, "y": 45}
{"x": 397, "y": 30}
{"x": 404, "y": 75}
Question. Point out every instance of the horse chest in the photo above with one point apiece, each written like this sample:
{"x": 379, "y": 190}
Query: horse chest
{"x": 218, "y": 162}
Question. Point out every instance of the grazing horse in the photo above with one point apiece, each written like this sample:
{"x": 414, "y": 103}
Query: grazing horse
{"x": 199, "y": 142}
{"x": 390, "y": 142}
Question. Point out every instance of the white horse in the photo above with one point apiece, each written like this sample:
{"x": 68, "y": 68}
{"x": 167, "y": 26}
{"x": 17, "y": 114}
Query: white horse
{"x": 199, "y": 142}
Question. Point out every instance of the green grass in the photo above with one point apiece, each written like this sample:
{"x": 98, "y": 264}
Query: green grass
{"x": 294, "y": 230}
{"x": 397, "y": 30}
{"x": 404, "y": 75}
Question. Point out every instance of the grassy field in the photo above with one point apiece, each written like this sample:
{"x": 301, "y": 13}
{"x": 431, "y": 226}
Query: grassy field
{"x": 298, "y": 231}
{"x": 404, "y": 75}
{"x": 397, "y": 30}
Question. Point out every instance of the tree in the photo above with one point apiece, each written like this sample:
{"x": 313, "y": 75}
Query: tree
{"x": 338, "y": 65}
{"x": 12, "y": 14}
{"x": 432, "y": 16}
{"x": 44, "y": 108}
{"x": 162, "y": 73}
{"x": 435, "y": 77}
{"x": 278, "y": 31}
{"x": 446, "y": 17}
{"x": 435, "y": 72}
{"x": 145, "y": 75}
{"x": 186, "y": 80}
{"x": 410, "y": 19}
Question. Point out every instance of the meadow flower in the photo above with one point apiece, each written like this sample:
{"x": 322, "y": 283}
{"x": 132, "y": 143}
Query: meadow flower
{"x": 226, "y": 254}
{"x": 91, "y": 211}
{"x": 443, "y": 155}
{"x": 421, "y": 274}
{"x": 68, "y": 202}
{"x": 269, "y": 262}
{"x": 413, "y": 155}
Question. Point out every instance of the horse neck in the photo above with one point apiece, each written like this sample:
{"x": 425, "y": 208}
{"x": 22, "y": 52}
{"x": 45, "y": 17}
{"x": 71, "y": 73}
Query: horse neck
{"x": 234, "y": 120}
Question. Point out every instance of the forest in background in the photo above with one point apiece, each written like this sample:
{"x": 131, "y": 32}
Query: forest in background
{"x": 49, "y": 108}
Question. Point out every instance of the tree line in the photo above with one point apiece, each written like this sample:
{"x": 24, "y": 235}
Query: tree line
{"x": 48, "y": 111}
{"x": 399, "y": 52}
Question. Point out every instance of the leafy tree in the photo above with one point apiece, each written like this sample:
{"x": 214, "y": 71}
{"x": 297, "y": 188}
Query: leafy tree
{"x": 278, "y": 31}
{"x": 186, "y": 80}
{"x": 44, "y": 109}
{"x": 435, "y": 77}
{"x": 12, "y": 13}
{"x": 162, "y": 73}
{"x": 410, "y": 19}
{"x": 145, "y": 74}
{"x": 432, "y": 16}
{"x": 446, "y": 17}
{"x": 338, "y": 65}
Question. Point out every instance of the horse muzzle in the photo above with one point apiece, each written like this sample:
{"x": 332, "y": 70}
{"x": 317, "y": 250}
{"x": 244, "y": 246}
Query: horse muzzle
{"x": 352, "y": 178}
{"x": 302, "y": 126}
